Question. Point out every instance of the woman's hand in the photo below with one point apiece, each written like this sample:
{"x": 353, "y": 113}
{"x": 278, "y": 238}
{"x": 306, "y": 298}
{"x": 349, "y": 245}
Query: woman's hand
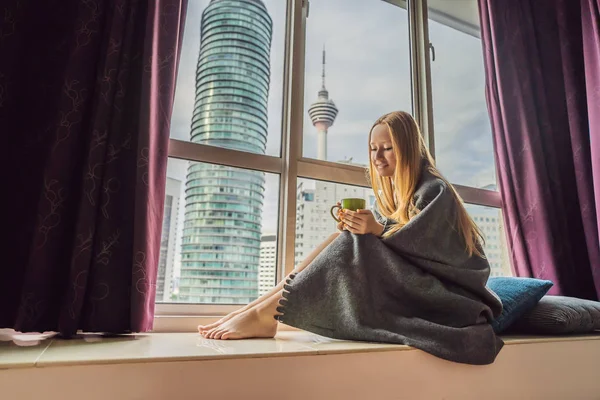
{"x": 361, "y": 222}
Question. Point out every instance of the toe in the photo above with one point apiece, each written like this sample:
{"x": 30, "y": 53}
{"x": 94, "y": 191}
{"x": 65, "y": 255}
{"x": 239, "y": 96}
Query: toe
{"x": 220, "y": 333}
{"x": 229, "y": 336}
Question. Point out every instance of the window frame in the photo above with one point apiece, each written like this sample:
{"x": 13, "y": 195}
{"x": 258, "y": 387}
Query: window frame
{"x": 291, "y": 165}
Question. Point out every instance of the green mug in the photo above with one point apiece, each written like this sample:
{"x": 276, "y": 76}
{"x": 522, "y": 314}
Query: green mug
{"x": 349, "y": 204}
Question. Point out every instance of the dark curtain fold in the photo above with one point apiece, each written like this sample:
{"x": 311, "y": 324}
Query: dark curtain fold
{"x": 591, "y": 47}
{"x": 543, "y": 92}
{"x": 86, "y": 93}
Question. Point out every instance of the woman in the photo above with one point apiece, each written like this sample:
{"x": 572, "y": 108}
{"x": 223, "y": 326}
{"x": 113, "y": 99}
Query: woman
{"x": 411, "y": 271}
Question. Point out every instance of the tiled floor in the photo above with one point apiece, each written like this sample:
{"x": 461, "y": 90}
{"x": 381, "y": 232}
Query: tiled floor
{"x": 95, "y": 349}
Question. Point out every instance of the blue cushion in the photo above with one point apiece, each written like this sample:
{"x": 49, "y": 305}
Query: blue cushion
{"x": 518, "y": 296}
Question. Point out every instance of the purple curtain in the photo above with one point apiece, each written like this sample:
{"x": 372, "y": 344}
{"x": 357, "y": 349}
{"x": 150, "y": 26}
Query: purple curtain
{"x": 542, "y": 62}
{"x": 86, "y": 92}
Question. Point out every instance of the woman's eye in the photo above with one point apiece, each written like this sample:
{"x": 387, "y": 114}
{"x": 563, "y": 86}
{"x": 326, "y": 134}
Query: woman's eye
{"x": 373, "y": 149}
{"x": 389, "y": 148}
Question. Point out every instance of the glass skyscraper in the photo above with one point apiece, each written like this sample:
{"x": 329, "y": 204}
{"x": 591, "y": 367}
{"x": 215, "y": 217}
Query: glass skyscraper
{"x": 222, "y": 228}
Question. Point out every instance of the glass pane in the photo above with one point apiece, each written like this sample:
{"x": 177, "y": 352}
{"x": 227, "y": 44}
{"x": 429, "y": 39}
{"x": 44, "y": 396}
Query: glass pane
{"x": 463, "y": 137}
{"x": 490, "y": 221}
{"x": 367, "y": 74}
{"x": 313, "y": 219}
{"x": 229, "y": 85}
{"x": 218, "y": 243}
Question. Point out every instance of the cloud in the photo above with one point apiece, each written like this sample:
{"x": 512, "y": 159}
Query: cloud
{"x": 464, "y": 148}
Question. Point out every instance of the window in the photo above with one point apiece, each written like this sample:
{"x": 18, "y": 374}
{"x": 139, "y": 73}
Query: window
{"x": 230, "y": 81}
{"x": 216, "y": 241}
{"x": 262, "y": 146}
{"x": 352, "y": 75}
{"x": 462, "y": 140}
{"x": 463, "y": 137}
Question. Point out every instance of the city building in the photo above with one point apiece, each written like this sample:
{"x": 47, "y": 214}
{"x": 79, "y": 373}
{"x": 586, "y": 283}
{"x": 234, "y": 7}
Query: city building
{"x": 168, "y": 241}
{"x": 268, "y": 263}
{"x": 490, "y": 221}
{"x": 221, "y": 233}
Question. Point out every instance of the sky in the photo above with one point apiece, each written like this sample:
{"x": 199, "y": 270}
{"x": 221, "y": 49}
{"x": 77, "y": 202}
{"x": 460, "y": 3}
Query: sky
{"x": 368, "y": 74}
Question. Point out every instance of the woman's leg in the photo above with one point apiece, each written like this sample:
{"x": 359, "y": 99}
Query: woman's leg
{"x": 277, "y": 289}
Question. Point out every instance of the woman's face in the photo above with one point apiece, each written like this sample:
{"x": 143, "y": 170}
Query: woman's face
{"x": 382, "y": 153}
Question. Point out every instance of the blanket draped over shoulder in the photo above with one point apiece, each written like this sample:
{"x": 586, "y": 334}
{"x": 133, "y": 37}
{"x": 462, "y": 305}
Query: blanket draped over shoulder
{"x": 417, "y": 287}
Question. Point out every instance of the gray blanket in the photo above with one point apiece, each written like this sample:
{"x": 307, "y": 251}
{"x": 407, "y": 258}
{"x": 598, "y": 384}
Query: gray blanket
{"x": 417, "y": 287}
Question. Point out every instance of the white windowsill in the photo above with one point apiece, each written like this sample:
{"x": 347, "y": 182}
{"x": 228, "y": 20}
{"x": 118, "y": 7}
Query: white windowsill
{"x": 93, "y": 349}
{"x": 178, "y": 365}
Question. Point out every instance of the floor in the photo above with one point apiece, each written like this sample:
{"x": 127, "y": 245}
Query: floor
{"x": 23, "y": 351}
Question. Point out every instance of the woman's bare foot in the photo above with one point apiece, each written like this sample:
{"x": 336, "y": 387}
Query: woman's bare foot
{"x": 205, "y": 328}
{"x": 250, "y": 324}
{"x": 258, "y": 321}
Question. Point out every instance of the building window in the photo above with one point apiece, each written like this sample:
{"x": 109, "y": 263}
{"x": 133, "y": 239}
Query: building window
{"x": 206, "y": 241}
{"x": 220, "y": 241}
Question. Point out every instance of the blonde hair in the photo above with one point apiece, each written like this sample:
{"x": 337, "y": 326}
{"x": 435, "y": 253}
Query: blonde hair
{"x": 394, "y": 195}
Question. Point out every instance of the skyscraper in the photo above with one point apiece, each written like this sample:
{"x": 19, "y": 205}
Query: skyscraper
{"x": 222, "y": 228}
{"x": 322, "y": 114}
{"x": 168, "y": 238}
{"x": 268, "y": 262}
